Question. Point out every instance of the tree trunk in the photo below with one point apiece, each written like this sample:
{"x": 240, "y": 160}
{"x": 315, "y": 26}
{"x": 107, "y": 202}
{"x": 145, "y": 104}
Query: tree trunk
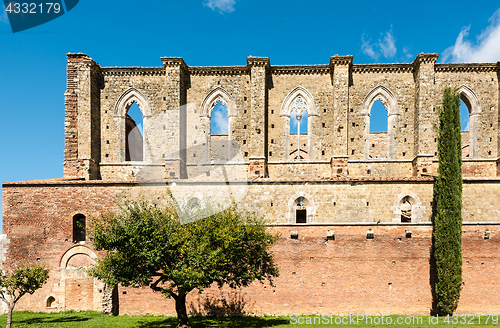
{"x": 9, "y": 315}
{"x": 180, "y": 308}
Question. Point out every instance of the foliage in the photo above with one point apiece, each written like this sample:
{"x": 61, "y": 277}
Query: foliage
{"x": 22, "y": 280}
{"x": 147, "y": 245}
{"x": 448, "y": 197}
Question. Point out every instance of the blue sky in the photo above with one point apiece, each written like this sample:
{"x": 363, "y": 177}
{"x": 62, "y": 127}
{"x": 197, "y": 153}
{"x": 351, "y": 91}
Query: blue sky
{"x": 212, "y": 33}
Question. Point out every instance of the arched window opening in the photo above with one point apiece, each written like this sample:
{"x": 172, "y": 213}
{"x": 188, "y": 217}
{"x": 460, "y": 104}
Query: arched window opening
{"x": 378, "y": 117}
{"x": 406, "y": 208}
{"x": 219, "y": 132}
{"x": 79, "y": 227}
{"x": 300, "y": 210}
{"x": 380, "y": 110}
{"x": 465, "y": 125}
{"x": 464, "y": 113}
{"x": 51, "y": 302}
{"x": 299, "y": 128}
{"x": 378, "y": 139}
{"x": 219, "y": 124}
{"x": 134, "y": 150}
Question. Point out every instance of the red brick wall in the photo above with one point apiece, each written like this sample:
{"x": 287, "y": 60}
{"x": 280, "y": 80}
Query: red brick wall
{"x": 79, "y": 294}
{"x": 348, "y": 275}
{"x": 71, "y": 161}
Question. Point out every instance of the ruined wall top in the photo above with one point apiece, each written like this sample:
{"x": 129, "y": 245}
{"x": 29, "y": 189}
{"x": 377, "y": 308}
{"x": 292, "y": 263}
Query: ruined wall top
{"x": 177, "y": 100}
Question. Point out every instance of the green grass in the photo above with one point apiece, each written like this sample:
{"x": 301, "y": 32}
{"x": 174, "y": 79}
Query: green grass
{"x": 91, "y": 319}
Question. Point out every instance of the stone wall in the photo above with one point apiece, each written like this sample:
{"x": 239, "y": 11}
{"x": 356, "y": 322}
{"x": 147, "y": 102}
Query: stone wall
{"x": 177, "y": 100}
{"x": 351, "y": 181}
{"x": 343, "y": 274}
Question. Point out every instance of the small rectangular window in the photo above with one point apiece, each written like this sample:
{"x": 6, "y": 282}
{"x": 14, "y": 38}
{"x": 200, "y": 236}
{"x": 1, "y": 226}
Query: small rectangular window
{"x": 79, "y": 227}
{"x": 301, "y": 216}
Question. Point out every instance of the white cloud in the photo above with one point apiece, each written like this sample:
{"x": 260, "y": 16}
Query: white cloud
{"x": 224, "y": 6}
{"x": 367, "y": 48}
{"x": 386, "y": 46}
{"x": 485, "y": 49}
{"x": 408, "y": 54}
{"x": 220, "y": 123}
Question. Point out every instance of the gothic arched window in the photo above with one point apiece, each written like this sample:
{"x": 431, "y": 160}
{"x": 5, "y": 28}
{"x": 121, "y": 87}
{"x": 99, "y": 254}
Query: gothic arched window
{"x": 299, "y": 110}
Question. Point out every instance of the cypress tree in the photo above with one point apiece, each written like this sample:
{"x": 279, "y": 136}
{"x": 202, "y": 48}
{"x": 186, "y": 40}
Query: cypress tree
{"x": 448, "y": 197}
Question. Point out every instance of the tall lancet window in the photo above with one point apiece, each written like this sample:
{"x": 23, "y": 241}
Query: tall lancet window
{"x": 298, "y": 111}
{"x": 134, "y": 134}
{"x": 465, "y": 124}
{"x": 219, "y": 119}
{"x": 298, "y": 129}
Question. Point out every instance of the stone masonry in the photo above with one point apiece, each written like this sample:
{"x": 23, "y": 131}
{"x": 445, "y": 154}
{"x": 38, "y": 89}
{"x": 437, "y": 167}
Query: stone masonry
{"x": 353, "y": 208}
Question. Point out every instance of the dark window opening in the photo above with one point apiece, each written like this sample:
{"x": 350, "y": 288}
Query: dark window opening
{"x": 300, "y": 210}
{"x": 79, "y": 228}
{"x": 301, "y": 216}
{"x": 51, "y": 302}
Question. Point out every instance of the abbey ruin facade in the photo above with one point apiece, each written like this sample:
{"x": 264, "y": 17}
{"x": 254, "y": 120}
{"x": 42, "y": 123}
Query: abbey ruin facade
{"x": 353, "y": 207}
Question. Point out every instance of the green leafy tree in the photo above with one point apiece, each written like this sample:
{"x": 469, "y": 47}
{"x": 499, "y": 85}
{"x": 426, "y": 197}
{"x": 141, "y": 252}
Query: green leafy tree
{"x": 448, "y": 197}
{"x": 147, "y": 245}
{"x": 22, "y": 280}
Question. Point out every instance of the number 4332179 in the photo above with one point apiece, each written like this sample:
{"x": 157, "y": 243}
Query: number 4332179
{"x": 33, "y": 8}
{"x": 469, "y": 319}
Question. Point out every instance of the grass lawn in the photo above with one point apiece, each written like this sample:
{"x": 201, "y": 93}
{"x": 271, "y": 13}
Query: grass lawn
{"x": 95, "y": 319}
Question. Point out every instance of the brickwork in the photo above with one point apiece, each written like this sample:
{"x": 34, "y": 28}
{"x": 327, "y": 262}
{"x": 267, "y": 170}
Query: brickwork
{"x": 351, "y": 181}
{"x": 349, "y": 274}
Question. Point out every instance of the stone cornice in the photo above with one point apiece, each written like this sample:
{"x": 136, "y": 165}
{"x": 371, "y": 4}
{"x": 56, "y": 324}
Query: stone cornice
{"x": 341, "y": 60}
{"x": 258, "y": 61}
{"x": 81, "y": 58}
{"x": 174, "y": 62}
{"x": 300, "y": 69}
{"x": 383, "y": 68}
{"x": 425, "y": 58}
{"x": 219, "y": 70}
{"x": 467, "y": 67}
{"x": 129, "y": 71}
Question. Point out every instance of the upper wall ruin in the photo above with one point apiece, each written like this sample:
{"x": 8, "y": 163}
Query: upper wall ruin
{"x": 331, "y": 103}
